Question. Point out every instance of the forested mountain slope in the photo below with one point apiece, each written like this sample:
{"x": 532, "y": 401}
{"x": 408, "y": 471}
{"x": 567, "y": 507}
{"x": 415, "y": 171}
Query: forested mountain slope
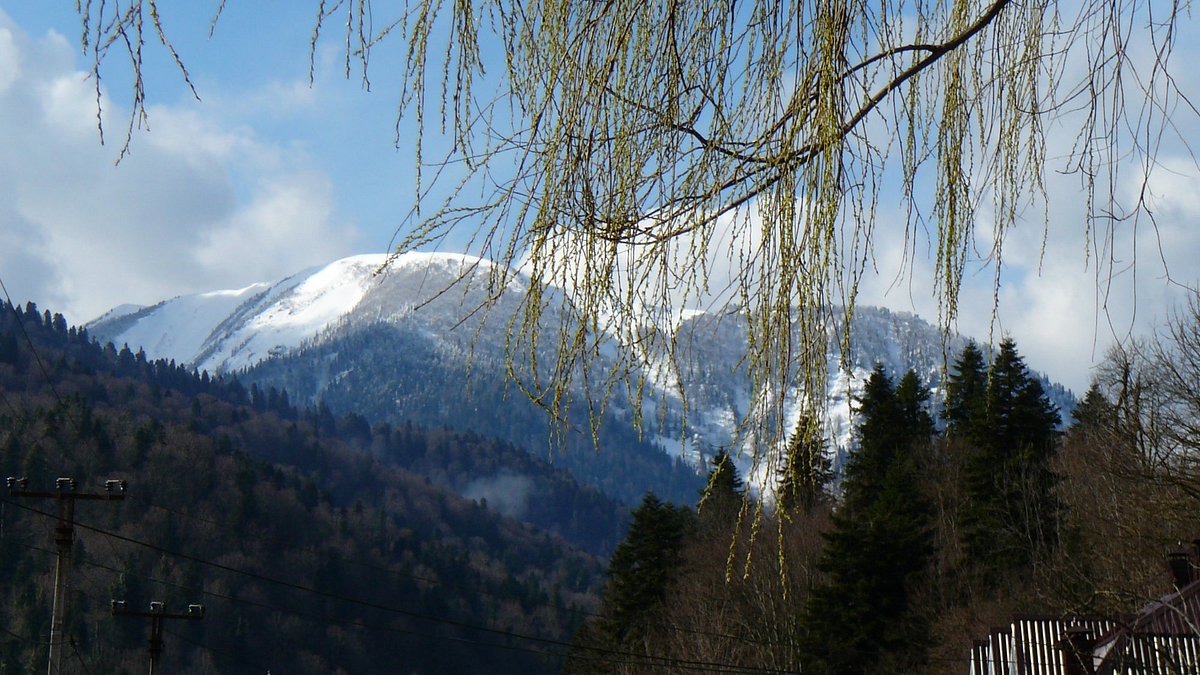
{"x": 311, "y": 546}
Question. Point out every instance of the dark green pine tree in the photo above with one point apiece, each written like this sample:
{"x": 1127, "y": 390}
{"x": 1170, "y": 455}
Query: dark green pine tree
{"x": 642, "y": 567}
{"x": 862, "y": 619}
{"x": 807, "y": 470}
{"x": 1094, "y": 412}
{"x": 912, "y": 401}
{"x": 722, "y": 496}
{"x": 1011, "y": 512}
{"x": 966, "y": 392}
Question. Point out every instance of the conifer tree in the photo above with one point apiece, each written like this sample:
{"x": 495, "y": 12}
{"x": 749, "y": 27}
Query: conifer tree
{"x": 862, "y": 619}
{"x": 1012, "y": 510}
{"x": 912, "y": 402}
{"x": 966, "y": 391}
{"x": 724, "y": 491}
{"x": 806, "y": 472}
{"x": 1094, "y": 411}
{"x": 642, "y": 566}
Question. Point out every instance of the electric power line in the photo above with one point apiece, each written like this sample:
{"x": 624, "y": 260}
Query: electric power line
{"x": 22, "y": 638}
{"x": 684, "y": 664}
{"x": 468, "y": 626}
{"x": 260, "y": 667}
{"x": 321, "y": 619}
{"x": 79, "y": 657}
{"x": 65, "y": 496}
{"x": 438, "y": 582}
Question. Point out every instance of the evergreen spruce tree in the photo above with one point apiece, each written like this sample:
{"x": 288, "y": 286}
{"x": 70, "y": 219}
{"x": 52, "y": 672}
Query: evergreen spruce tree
{"x": 1011, "y": 511}
{"x": 912, "y": 402}
{"x": 722, "y": 496}
{"x": 642, "y": 567}
{"x": 807, "y": 471}
{"x": 966, "y": 392}
{"x": 862, "y": 619}
{"x": 1095, "y": 411}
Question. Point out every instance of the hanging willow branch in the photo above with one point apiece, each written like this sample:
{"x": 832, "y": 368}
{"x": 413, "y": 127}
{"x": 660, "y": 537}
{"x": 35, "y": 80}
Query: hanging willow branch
{"x": 620, "y": 152}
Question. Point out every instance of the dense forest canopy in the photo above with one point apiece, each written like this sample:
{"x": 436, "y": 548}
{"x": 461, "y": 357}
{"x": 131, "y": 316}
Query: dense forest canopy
{"x": 317, "y": 544}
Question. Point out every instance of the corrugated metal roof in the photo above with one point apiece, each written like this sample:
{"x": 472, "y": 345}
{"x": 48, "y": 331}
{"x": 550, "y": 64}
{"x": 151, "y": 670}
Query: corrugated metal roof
{"x": 979, "y": 658}
{"x": 1154, "y": 655}
{"x": 1164, "y": 638}
{"x": 991, "y": 656}
{"x": 1174, "y": 614}
{"x": 1001, "y": 639}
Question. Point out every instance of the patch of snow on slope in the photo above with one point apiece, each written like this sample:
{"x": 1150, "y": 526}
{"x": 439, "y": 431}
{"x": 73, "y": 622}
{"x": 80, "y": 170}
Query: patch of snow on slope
{"x": 118, "y": 312}
{"x": 180, "y": 326}
{"x": 452, "y": 262}
{"x": 320, "y": 299}
{"x": 441, "y": 268}
{"x": 296, "y": 312}
{"x": 224, "y": 331}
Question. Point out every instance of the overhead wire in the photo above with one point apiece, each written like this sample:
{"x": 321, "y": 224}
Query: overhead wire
{"x": 322, "y": 619}
{"x": 108, "y": 536}
{"x": 166, "y": 583}
{"x": 45, "y": 373}
{"x": 33, "y": 350}
{"x": 17, "y": 414}
{"x": 685, "y": 664}
{"x": 483, "y": 591}
{"x": 22, "y": 638}
{"x": 78, "y": 656}
{"x": 8, "y": 403}
{"x": 260, "y": 667}
{"x": 682, "y": 664}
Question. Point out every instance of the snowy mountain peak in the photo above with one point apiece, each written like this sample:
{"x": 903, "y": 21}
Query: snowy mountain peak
{"x": 419, "y": 311}
{"x": 227, "y": 330}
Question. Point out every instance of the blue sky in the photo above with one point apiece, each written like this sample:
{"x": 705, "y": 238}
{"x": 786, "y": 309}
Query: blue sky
{"x": 266, "y": 175}
{"x": 201, "y": 181}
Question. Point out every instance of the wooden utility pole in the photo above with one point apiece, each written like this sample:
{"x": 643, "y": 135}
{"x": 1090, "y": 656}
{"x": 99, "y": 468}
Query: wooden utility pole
{"x": 157, "y": 616}
{"x": 65, "y": 494}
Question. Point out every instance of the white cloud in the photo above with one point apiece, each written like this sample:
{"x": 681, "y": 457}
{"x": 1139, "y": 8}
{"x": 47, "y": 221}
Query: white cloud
{"x": 298, "y": 208}
{"x": 10, "y": 61}
{"x": 197, "y": 205}
{"x": 1050, "y": 299}
{"x": 278, "y": 99}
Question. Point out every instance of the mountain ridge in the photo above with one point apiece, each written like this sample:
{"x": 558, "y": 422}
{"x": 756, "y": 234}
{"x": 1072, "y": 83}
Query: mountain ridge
{"x": 428, "y": 303}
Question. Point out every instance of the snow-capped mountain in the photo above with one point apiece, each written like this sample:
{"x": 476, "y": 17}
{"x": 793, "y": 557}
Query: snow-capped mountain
{"x": 227, "y": 331}
{"x": 716, "y": 386}
{"x": 395, "y": 338}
